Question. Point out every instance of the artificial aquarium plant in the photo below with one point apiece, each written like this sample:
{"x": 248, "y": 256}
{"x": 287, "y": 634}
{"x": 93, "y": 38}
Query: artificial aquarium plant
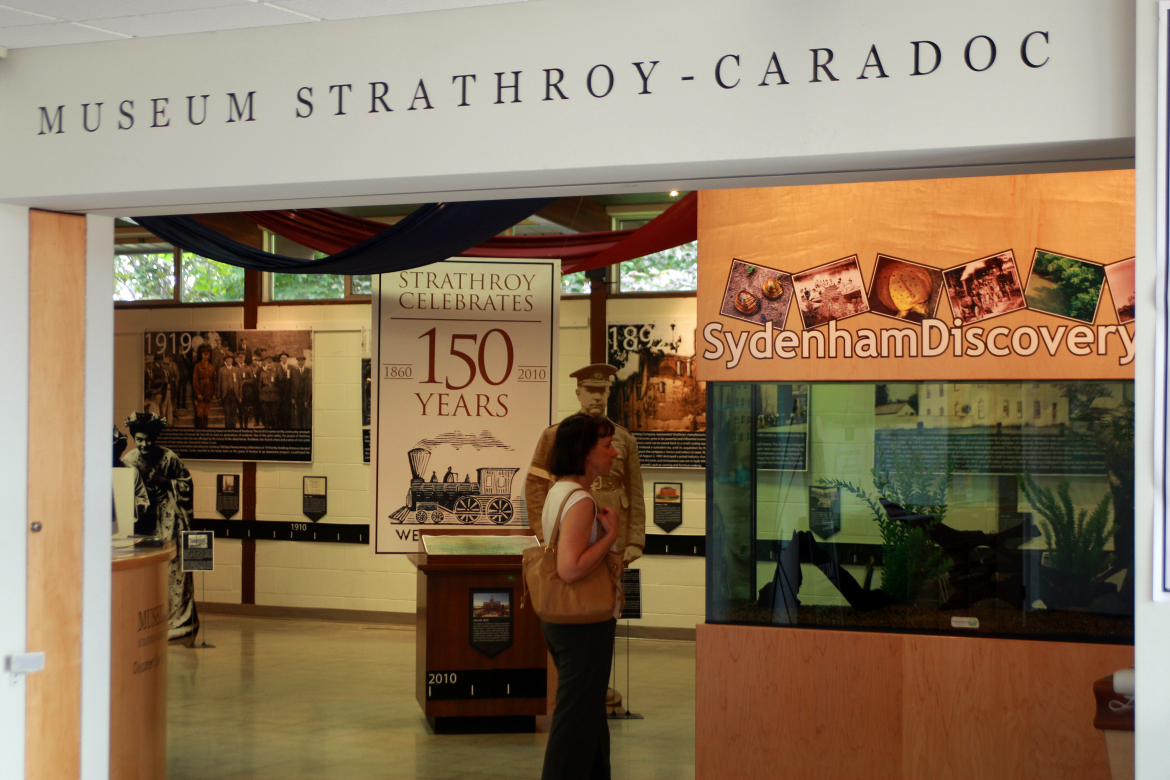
{"x": 911, "y": 557}
{"x": 1076, "y": 540}
{"x": 1104, "y": 418}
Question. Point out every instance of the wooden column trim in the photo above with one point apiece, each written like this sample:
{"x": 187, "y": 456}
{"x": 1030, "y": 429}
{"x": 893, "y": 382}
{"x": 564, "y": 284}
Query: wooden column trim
{"x": 598, "y": 294}
{"x": 252, "y": 281}
{"x": 56, "y": 470}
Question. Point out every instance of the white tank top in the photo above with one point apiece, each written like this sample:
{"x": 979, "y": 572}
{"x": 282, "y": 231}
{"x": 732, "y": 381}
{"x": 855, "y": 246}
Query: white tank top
{"x": 548, "y": 517}
{"x": 552, "y": 503}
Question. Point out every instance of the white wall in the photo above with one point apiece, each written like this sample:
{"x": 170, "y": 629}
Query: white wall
{"x": 1077, "y": 107}
{"x": 345, "y": 576}
{"x": 14, "y": 480}
{"x": 1152, "y": 619}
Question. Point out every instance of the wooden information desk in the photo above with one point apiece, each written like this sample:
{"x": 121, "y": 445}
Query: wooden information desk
{"x": 480, "y": 659}
{"x": 138, "y": 670}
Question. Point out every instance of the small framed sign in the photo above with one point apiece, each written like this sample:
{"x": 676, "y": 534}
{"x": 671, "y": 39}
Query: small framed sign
{"x": 314, "y": 501}
{"x": 227, "y": 495}
{"x": 632, "y": 586}
{"x": 197, "y": 551}
{"x": 668, "y": 505}
{"x": 491, "y": 621}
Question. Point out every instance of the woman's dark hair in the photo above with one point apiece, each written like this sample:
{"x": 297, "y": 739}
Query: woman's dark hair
{"x": 576, "y": 436}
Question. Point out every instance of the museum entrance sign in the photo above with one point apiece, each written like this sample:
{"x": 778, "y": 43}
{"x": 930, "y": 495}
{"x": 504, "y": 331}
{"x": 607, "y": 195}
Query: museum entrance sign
{"x": 450, "y": 100}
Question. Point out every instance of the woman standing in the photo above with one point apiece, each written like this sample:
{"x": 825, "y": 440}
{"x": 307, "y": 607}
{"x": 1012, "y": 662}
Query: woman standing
{"x": 578, "y": 741}
{"x": 163, "y": 507}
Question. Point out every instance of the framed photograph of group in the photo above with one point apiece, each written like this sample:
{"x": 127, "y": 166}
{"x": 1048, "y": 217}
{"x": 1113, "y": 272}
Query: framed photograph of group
{"x": 232, "y": 395}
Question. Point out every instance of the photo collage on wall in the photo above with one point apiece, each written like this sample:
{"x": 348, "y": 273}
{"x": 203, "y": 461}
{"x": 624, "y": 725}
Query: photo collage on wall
{"x": 1059, "y": 284}
{"x": 232, "y": 395}
{"x": 655, "y": 395}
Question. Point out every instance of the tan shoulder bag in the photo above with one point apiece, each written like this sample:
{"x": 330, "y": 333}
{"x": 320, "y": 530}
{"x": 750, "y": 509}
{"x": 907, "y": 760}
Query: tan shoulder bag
{"x": 588, "y": 600}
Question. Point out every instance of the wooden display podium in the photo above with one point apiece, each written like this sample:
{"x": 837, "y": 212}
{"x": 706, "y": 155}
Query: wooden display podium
{"x": 480, "y": 659}
{"x": 138, "y": 669}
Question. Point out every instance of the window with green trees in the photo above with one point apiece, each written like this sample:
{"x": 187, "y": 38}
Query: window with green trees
{"x": 206, "y": 281}
{"x": 574, "y": 284}
{"x": 672, "y": 270}
{"x": 152, "y": 277}
{"x": 145, "y": 277}
{"x": 307, "y": 287}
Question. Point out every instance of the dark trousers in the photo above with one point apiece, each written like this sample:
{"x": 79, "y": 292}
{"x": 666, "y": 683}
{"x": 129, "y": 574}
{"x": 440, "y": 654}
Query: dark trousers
{"x": 578, "y": 741}
{"x": 231, "y": 406}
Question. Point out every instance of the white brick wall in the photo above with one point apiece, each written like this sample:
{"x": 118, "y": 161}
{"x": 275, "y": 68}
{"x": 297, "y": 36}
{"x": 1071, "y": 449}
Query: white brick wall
{"x": 345, "y": 576}
{"x": 223, "y": 584}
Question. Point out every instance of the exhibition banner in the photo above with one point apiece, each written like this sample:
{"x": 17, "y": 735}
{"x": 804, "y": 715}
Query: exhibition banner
{"x": 995, "y": 278}
{"x": 232, "y": 395}
{"x": 464, "y": 357}
{"x": 655, "y": 394}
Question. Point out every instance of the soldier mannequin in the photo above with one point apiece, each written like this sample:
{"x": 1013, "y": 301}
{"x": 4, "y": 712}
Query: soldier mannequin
{"x": 620, "y": 490}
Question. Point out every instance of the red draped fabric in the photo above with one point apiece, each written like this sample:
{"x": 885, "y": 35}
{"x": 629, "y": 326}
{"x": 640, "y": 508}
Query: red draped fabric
{"x": 676, "y": 226}
{"x": 331, "y": 232}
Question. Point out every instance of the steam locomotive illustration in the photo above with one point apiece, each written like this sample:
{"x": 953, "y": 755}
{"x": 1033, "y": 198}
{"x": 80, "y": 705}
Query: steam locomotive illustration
{"x": 488, "y": 499}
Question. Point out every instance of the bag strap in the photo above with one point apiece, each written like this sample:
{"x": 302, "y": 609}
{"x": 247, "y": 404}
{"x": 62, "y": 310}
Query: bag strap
{"x": 556, "y": 532}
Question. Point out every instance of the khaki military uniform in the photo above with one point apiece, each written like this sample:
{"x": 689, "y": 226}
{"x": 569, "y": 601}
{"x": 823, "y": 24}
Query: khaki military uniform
{"x": 620, "y": 489}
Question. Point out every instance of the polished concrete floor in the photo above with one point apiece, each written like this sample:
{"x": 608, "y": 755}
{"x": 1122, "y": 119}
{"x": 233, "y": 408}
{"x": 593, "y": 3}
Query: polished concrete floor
{"x": 298, "y": 699}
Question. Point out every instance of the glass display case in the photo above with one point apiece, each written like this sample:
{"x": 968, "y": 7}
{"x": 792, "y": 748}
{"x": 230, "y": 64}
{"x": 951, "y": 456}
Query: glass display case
{"x": 983, "y": 508}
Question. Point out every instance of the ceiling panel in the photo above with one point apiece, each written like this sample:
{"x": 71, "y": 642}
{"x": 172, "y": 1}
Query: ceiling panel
{"x": 84, "y": 10}
{"x": 354, "y": 9}
{"x": 201, "y": 20}
{"x": 54, "y": 34}
{"x": 40, "y": 19}
{"x": 18, "y": 18}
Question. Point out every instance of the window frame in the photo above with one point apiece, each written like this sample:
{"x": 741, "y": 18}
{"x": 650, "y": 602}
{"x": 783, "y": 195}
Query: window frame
{"x": 619, "y": 214}
{"x": 350, "y": 297}
{"x": 175, "y": 301}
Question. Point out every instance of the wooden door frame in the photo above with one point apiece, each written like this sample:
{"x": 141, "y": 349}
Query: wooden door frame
{"x": 70, "y": 395}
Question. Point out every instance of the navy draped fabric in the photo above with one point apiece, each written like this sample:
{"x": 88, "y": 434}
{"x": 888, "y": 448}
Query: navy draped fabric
{"x": 331, "y": 232}
{"x": 434, "y": 232}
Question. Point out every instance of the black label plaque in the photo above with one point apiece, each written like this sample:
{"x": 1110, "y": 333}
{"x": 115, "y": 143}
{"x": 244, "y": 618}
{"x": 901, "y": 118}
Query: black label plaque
{"x": 227, "y": 495}
{"x": 445, "y": 685}
{"x": 314, "y": 501}
{"x": 197, "y": 551}
{"x": 491, "y": 621}
{"x": 632, "y": 587}
{"x": 672, "y": 449}
{"x": 668, "y": 505}
{"x": 824, "y": 511}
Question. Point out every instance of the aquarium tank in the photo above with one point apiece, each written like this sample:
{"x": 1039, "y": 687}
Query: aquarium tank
{"x": 993, "y": 509}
